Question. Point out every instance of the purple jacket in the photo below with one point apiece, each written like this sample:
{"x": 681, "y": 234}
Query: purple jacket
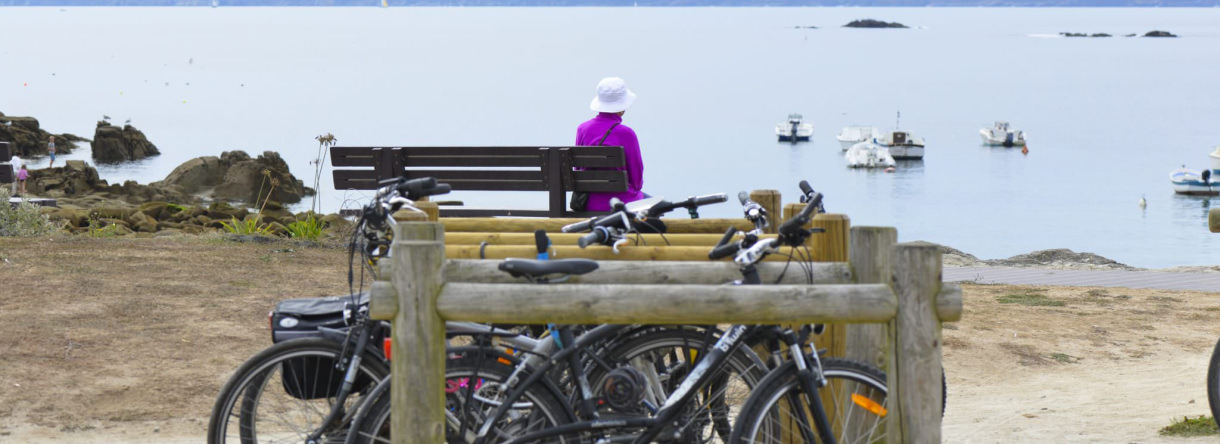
{"x": 590, "y": 133}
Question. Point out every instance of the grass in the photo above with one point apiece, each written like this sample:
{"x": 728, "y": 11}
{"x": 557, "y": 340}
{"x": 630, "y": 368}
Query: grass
{"x": 1063, "y": 358}
{"x": 1030, "y": 298}
{"x": 249, "y": 226}
{"x": 1187, "y": 427}
{"x": 310, "y": 229}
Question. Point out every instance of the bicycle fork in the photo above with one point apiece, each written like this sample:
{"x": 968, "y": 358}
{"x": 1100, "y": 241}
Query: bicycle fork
{"x": 812, "y": 380}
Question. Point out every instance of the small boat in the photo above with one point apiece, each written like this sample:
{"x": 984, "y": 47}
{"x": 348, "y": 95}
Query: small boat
{"x": 869, "y": 155}
{"x": 849, "y": 136}
{"x": 903, "y": 145}
{"x": 794, "y": 131}
{"x": 1002, "y": 135}
{"x": 1198, "y": 183}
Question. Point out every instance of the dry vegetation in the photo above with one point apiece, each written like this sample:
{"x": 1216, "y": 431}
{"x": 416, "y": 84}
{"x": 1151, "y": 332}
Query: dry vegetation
{"x": 129, "y": 340}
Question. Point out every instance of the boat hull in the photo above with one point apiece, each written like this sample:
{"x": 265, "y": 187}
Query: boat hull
{"x": 1007, "y": 139}
{"x": 869, "y": 155}
{"x": 1191, "y": 183}
{"x": 907, "y": 152}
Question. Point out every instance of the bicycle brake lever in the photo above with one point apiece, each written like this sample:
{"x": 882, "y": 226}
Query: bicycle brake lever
{"x": 618, "y": 242}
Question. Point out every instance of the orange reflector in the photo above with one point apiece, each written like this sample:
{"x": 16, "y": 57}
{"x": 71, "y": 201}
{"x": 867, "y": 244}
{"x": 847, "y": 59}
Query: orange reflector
{"x": 868, "y": 404}
{"x": 385, "y": 348}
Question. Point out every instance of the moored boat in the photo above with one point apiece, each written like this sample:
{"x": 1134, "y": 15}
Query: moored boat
{"x": 849, "y": 136}
{"x": 1002, "y": 135}
{"x": 903, "y": 145}
{"x": 1199, "y": 183}
{"x": 794, "y": 130}
{"x": 869, "y": 155}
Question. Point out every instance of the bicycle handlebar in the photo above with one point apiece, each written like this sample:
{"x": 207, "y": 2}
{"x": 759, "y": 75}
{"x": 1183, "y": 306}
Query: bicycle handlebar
{"x": 690, "y": 203}
{"x": 792, "y": 227}
{"x": 599, "y": 235}
{"x": 723, "y": 248}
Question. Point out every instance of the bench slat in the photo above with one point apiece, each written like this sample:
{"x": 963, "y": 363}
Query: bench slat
{"x": 600, "y": 181}
{"x": 477, "y": 180}
{"x": 598, "y": 157}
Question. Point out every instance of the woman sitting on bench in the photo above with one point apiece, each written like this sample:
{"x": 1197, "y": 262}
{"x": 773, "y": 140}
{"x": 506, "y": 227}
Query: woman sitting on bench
{"x": 613, "y": 99}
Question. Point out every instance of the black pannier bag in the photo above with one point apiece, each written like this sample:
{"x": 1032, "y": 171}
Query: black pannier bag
{"x": 315, "y": 377}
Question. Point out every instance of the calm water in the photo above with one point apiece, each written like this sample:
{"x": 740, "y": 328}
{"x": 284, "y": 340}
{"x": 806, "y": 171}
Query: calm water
{"x": 1107, "y": 119}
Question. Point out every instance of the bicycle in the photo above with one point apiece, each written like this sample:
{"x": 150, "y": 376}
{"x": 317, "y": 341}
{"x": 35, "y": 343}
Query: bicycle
{"x": 677, "y": 419}
{"x": 1213, "y": 384}
{"x": 322, "y": 377}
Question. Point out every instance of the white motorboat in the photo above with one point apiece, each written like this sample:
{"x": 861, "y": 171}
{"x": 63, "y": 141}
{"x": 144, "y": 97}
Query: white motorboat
{"x": 1002, "y": 135}
{"x": 794, "y": 131}
{"x": 869, "y": 155}
{"x": 849, "y": 136}
{"x": 1201, "y": 183}
{"x": 903, "y": 145}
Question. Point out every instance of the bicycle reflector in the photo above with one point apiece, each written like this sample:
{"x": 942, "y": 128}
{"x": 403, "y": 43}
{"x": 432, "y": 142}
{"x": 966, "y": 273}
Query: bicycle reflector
{"x": 868, "y": 404}
{"x": 386, "y": 347}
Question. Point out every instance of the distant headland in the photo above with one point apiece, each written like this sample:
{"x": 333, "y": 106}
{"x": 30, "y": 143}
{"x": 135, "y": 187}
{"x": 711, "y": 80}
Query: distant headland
{"x": 630, "y": 3}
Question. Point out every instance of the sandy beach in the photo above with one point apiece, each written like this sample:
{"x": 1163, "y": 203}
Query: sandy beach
{"x": 129, "y": 340}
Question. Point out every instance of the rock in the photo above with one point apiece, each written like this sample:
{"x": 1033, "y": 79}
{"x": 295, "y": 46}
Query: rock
{"x": 1073, "y": 34}
{"x": 196, "y": 175}
{"x": 1131, "y": 35}
{"x": 870, "y": 23}
{"x": 112, "y": 144}
{"x": 1159, "y": 34}
{"x": 253, "y": 180}
{"x": 1060, "y": 258}
{"x": 28, "y": 139}
{"x": 1101, "y": 34}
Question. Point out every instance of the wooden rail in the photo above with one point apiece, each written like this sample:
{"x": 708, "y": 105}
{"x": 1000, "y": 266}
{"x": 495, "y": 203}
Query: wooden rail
{"x": 420, "y": 289}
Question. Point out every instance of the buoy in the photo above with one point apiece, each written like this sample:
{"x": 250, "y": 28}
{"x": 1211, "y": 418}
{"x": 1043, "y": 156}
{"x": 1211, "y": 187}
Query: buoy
{"x": 889, "y": 169}
{"x": 25, "y": 84}
{"x": 1025, "y": 150}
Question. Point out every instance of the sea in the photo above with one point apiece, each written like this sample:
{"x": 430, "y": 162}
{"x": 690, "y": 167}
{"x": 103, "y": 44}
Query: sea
{"x": 1107, "y": 119}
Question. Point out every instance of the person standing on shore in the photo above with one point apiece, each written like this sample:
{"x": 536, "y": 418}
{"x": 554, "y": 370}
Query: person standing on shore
{"x": 51, "y": 152}
{"x": 15, "y": 163}
{"x": 606, "y": 129}
{"x": 22, "y": 175}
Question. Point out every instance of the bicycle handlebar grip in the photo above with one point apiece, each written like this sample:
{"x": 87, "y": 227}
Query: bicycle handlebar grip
{"x": 416, "y": 185}
{"x": 578, "y": 227}
{"x": 791, "y": 226}
{"x": 724, "y": 250}
{"x": 805, "y": 188}
{"x": 743, "y": 197}
{"x": 598, "y": 236}
{"x": 442, "y": 188}
{"x": 728, "y": 234}
{"x": 709, "y": 199}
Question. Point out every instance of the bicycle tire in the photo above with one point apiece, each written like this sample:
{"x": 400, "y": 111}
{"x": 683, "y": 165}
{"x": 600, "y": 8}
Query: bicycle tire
{"x": 655, "y": 352}
{"x": 375, "y": 427}
{"x": 767, "y": 417}
{"x": 278, "y": 380}
{"x": 1213, "y": 384}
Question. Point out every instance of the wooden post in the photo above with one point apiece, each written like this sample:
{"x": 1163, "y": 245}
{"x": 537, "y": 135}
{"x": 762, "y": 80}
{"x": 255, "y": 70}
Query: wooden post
{"x": 831, "y": 246}
{"x": 870, "y": 261}
{"x": 418, "y": 395}
{"x": 1213, "y": 220}
{"x": 914, "y": 353}
{"x": 770, "y": 201}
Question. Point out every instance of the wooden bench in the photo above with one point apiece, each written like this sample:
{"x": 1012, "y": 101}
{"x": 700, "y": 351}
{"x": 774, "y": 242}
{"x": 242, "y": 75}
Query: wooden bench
{"x": 555, "y": 170}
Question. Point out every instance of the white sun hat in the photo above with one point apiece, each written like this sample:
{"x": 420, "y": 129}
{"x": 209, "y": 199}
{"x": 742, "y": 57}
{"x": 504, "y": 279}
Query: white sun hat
{"x": 612, "y": 96}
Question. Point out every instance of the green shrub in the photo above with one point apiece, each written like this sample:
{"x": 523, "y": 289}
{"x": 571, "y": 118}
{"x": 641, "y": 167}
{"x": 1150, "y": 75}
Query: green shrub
{"x": 249, "y": 226}
{"x": 98, "y": 228}
{"x": 26, "y": 219}
{"x": 1201, "y": 426}
{"x": 310, "y": 229}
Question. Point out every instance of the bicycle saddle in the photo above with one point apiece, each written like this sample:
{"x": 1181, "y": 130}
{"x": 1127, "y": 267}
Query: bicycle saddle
{"x": 534, "y": 269}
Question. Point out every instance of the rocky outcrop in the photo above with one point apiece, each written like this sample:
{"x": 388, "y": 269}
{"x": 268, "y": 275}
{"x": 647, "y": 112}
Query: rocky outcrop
{"x": 235, "y": 176}
{"x": 114, "y": 144}
{"x": 78, "y": 183}
{"x": 1159, "y": 34}
{"x": 870, "y": 23}
{"x": 164, "y": 217}
{"x": 27, "y": 138}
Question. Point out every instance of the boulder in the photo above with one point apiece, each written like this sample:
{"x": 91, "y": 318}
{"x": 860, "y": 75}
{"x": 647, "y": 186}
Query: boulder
{"x": 870, "y": 23}
{"x": 196, "y": 175}
{"x": 255, "y": 180}
{"x": 114, "y": 144}
{"x": 1159, "y": 34}
{"x": 28, "y": 139}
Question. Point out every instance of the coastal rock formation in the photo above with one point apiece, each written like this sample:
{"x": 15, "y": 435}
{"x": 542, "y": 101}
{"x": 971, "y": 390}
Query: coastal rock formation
{"x": 1159, "y": 34}
{"x": 235, "y": 176}
{"x": 78, "y": 182}
{"x": 1059, "y": 258}
{"x": 169, "y": 218}
{"x": 1084, "y": 34}
{"x": 870, "y": 23}
{"x": 114, "y": 144}
{"x": 27, "y": 138}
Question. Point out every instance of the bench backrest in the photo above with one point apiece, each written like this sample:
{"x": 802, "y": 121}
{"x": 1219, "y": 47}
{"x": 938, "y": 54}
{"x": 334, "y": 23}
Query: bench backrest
{"x": 7, "y": 175}
{"x": 550, "y": 169}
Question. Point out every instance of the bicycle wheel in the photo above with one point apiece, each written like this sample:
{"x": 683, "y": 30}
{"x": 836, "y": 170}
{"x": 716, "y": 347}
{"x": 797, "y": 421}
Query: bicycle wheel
{"x": 468, "y": 404}
{"x": 1213, "y": 384}
{"x": 664, "y": 358}
{"x": 854, "y": 399}
{"x": 283, "y": 393}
